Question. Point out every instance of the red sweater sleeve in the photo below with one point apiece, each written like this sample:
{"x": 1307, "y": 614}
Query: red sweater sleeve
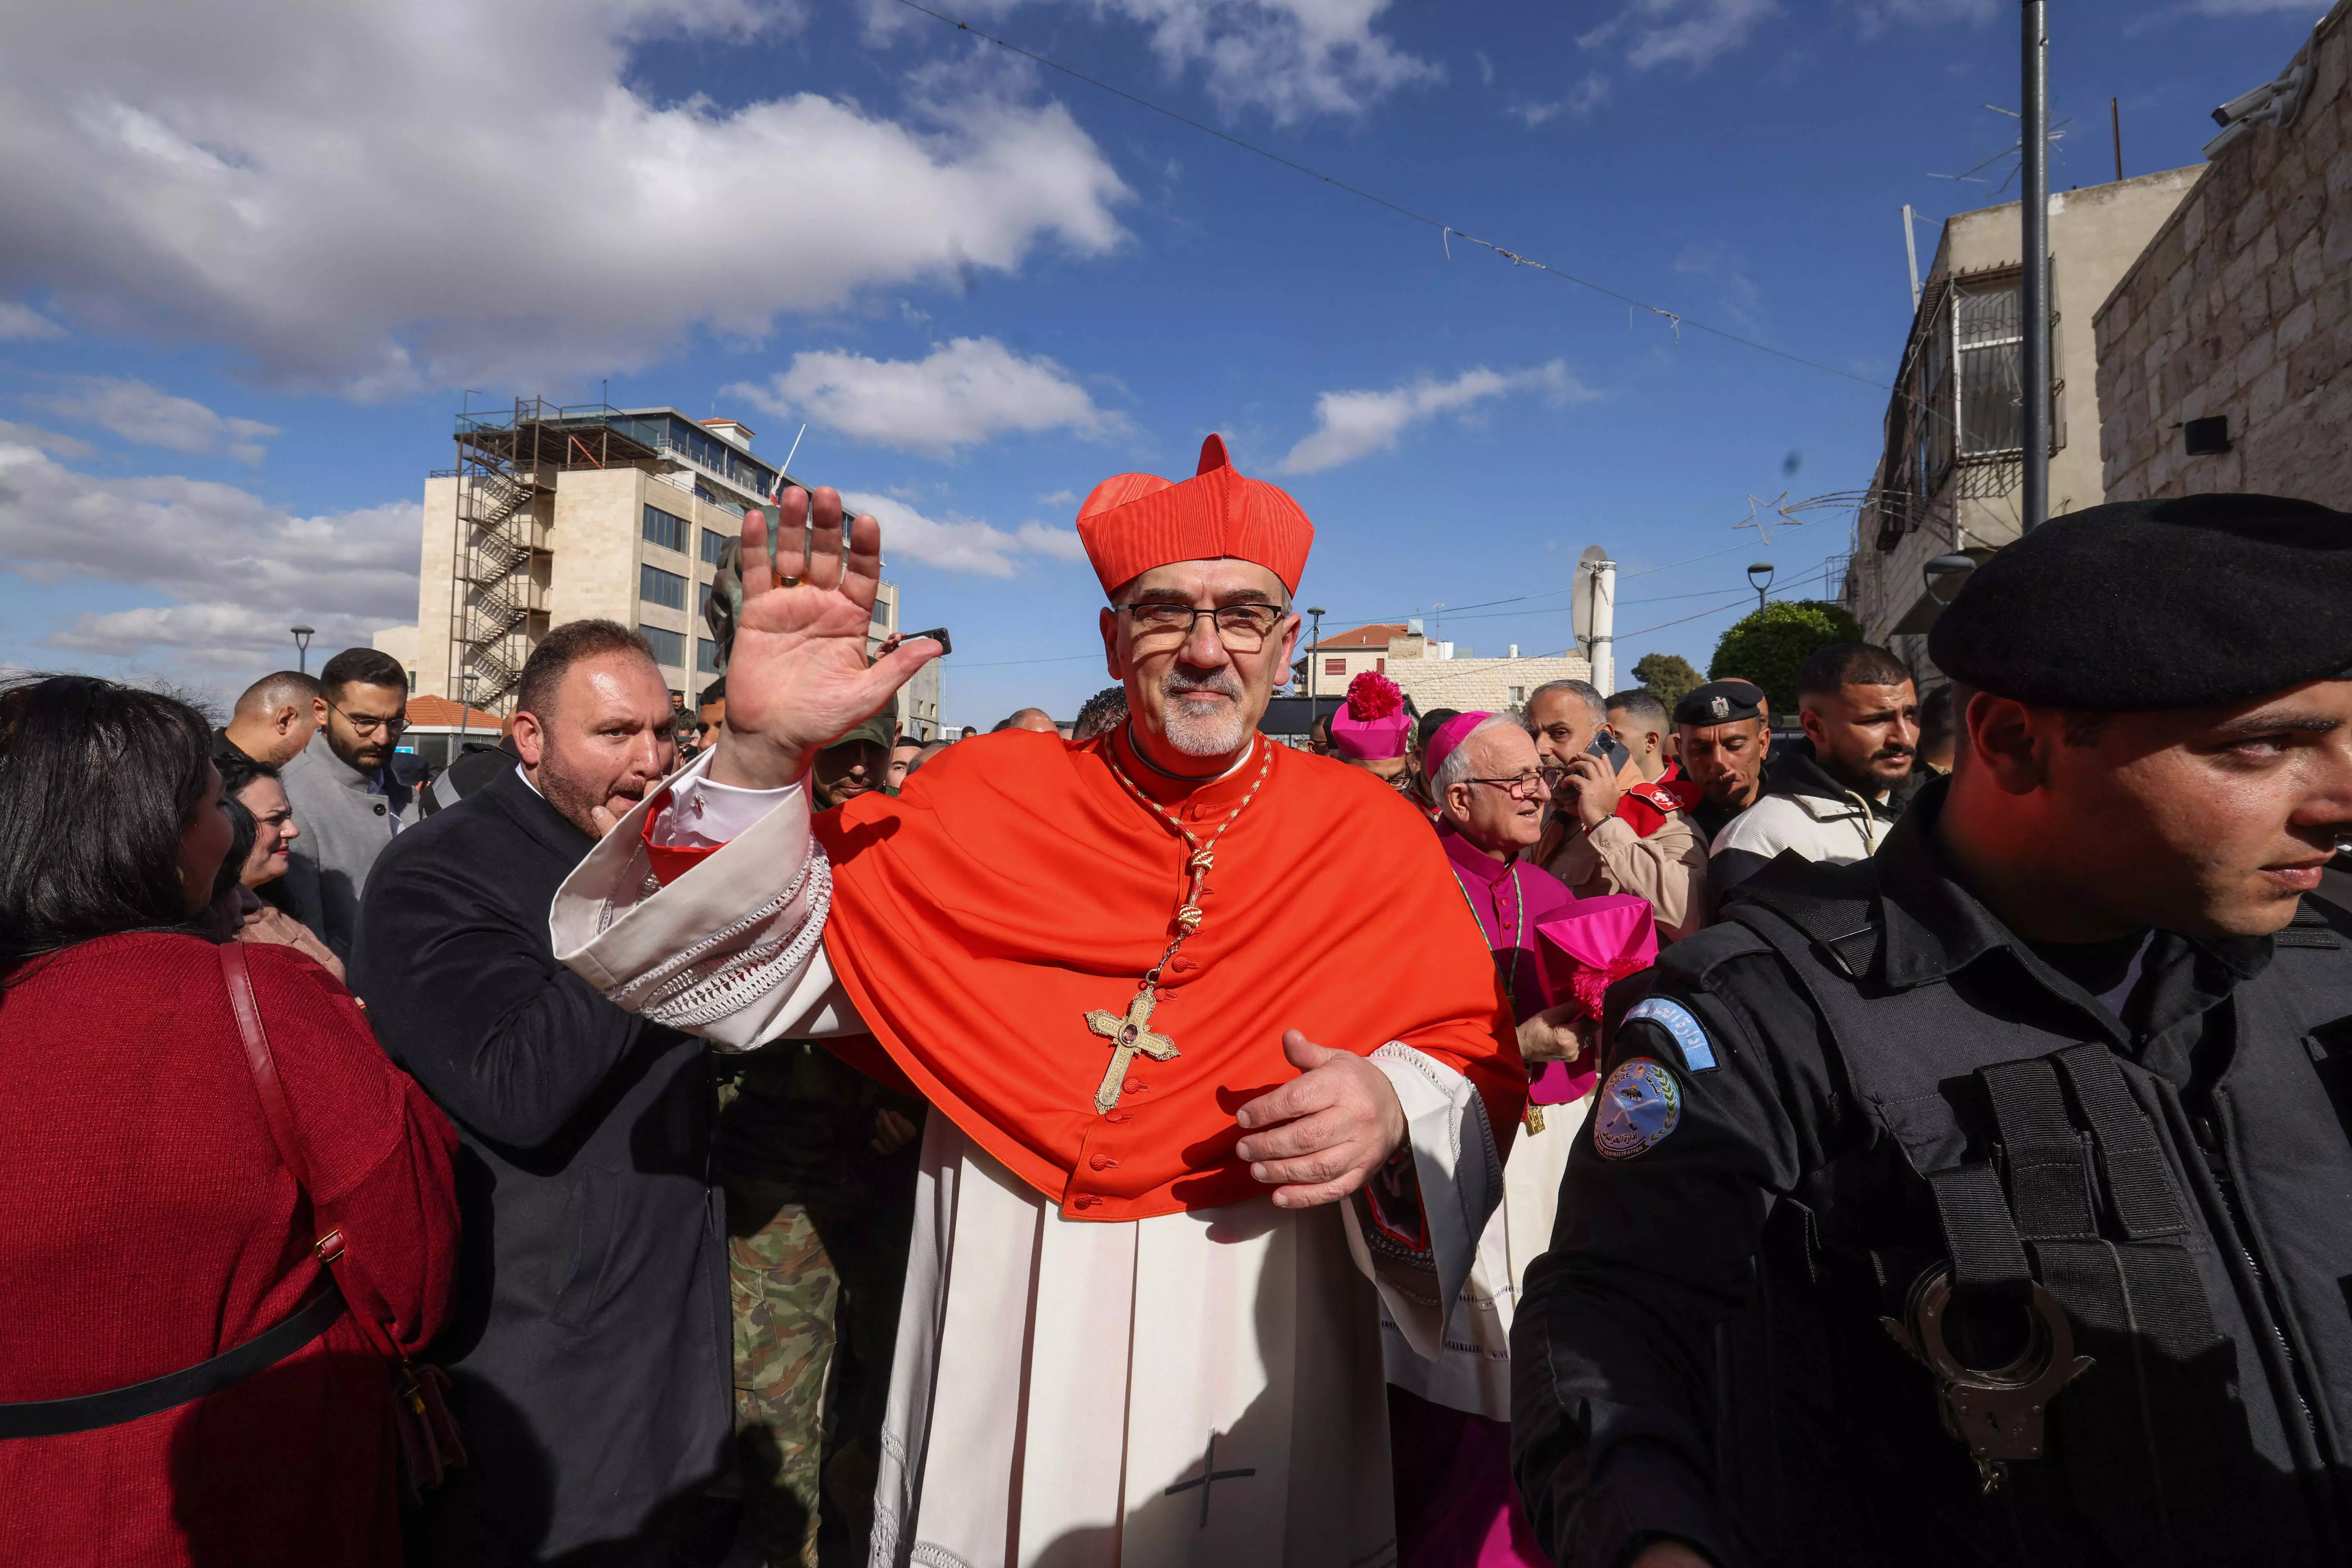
{"x": 379, "y": 1152}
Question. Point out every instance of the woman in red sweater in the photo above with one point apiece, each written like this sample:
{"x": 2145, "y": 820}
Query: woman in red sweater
{"x": 150, "y": 1222}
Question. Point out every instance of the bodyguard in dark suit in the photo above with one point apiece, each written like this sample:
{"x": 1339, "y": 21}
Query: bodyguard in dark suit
{"x": 591, "y": 1349}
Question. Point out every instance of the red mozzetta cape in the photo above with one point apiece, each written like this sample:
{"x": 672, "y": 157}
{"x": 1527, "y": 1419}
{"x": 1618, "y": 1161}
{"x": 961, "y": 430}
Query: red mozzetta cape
{"x": 1016, "y": 885}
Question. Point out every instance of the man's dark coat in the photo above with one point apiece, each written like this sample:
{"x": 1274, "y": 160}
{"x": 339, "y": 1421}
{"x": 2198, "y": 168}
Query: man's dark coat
{"x": 590, "y": 1348}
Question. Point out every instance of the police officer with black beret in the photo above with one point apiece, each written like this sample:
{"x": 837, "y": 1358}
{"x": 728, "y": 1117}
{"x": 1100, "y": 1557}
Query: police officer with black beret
{"x": 1721, "y": 741}
{"x": 1990, "y": 1201}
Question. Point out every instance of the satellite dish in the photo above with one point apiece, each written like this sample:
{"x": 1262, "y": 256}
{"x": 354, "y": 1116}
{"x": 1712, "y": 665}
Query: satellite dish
{"x": 1580, "y": 598}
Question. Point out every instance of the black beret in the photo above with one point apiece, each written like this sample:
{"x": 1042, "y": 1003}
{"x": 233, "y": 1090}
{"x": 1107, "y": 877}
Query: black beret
{"x": 1720, "y": 702}
{"x": 2141, "y": 605}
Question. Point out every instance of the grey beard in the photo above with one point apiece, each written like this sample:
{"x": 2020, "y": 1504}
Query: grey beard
{"x": 1197, "y": 735}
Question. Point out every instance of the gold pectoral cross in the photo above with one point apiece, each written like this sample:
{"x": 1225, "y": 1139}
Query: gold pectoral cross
{"x": 1128, "y": 1036}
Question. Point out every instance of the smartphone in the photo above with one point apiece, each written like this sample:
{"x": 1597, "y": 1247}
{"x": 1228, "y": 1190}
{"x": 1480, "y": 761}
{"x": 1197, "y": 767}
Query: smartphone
{"x": 1604, "y": 746}
{"x": 937, "y": 634}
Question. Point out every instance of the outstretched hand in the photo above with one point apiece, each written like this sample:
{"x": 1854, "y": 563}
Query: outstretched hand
{"x": 797, "y": 678}
{"x": 1320, "y": 1136}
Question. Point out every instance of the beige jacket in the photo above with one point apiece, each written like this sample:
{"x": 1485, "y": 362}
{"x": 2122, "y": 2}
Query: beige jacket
{"x": 1668, "y": 868}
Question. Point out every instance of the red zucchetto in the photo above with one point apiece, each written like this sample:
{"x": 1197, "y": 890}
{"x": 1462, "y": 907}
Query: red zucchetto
{"x": 1133, "y": 523}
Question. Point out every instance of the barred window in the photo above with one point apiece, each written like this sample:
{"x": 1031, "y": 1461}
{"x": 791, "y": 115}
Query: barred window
{"x": 669, "y": 646}
{"x": 666, "y": 529}
{"x": 655, "y": 586}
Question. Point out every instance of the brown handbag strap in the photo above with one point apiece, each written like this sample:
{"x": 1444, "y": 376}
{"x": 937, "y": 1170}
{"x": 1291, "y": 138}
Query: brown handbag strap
{"x": 368, "y": 1307}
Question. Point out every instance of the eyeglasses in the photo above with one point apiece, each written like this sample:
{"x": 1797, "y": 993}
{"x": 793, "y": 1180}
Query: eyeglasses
{"x": 362, "y": 725}
{"x": 1526, "y": 786}
{"x": 1244, "y": 628}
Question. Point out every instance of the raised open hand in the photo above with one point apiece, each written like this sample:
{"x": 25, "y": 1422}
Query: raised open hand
{"x": 797, "y": 678}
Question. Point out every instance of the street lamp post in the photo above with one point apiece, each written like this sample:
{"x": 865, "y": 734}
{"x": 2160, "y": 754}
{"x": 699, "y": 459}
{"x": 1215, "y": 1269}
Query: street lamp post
{"x": 464, "y": 711}
{"x": 1315, "y": 612}
{"x": 303, "y": 635}
{"x": 1759, "y": 577}
{"x": 2033, "y": 293}
{"x": 1945, "y": 575}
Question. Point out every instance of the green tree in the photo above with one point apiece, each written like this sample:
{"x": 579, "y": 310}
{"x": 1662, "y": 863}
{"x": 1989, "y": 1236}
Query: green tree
{"x": 1767, "y": 647}
{"x": 1668, "y": 675}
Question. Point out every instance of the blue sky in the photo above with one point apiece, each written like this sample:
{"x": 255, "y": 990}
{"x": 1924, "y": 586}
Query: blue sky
{"x": 252, "y": 264}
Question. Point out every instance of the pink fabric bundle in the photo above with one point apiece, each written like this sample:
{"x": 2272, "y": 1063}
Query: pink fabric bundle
{"x": 1373, "y": 725}
{"x": 1596, "y": 943}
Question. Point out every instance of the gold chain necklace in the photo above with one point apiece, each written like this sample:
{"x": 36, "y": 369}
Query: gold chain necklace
{"x": 1131, "y": 1034}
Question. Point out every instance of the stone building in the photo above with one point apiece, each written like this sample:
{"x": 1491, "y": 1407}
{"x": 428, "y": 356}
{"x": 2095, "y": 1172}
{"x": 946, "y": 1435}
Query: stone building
{"x": 1328, "y": 666}
{"x": 1951, "y": 474}
{"x": 1432, "y": 674}
{"x": 2222, "y": 351}
{"x": 560, "y": 514}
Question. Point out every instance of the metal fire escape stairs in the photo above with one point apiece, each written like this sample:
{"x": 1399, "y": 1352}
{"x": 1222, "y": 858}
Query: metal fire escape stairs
{"x": 499, "y": 484}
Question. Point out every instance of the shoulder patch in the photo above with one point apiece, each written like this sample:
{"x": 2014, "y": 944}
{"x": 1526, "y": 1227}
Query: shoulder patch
{"x": 1640, "y": 1104}
{"x": 1677, "y": 1021}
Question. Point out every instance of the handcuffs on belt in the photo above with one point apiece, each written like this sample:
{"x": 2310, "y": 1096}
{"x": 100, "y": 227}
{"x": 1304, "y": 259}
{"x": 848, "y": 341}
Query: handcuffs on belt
{"x": 1997, "y": 1412}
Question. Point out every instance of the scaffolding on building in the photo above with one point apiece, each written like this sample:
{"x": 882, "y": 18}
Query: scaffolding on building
{"x": 506, "y": 486}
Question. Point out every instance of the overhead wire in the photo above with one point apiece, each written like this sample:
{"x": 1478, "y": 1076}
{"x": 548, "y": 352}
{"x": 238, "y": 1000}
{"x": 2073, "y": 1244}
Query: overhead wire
{"x": 1447, "y": 232}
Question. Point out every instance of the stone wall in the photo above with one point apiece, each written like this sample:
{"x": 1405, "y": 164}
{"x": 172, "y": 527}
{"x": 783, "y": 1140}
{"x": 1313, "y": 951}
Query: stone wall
{"x": 2239, "y": 308}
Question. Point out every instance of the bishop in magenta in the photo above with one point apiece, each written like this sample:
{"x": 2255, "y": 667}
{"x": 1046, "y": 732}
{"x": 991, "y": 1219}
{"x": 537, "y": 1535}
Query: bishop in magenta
{"x": 1213, "y": 1074}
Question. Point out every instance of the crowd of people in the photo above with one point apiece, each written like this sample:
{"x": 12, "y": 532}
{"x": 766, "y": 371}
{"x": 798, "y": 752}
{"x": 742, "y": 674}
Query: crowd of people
{"x": 751, "y": 1136}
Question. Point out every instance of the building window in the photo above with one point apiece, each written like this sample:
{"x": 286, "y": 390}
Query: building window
{"x": 702, "y": 598}
{"x": 1518, "y": 695}
{"x": 706, "y": 656}
{"x": 1335, "y": 667}
{"x": 669, "y": 646}
{"x": 1987, "y": 347}
{"x": 714, "y": 546}
{"x": 655, "y": 586}
{"x": 667, "y": 529}
{"x": 1381, "y": 665}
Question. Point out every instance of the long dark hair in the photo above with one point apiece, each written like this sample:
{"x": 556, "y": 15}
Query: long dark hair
{"x": 98, "y": 781}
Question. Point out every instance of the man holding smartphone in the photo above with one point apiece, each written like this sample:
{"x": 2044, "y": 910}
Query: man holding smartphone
{"x": 1604, "y": 837}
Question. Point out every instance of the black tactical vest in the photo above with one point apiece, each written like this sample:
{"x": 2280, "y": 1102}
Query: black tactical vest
{"x": 2014, "y": 1155}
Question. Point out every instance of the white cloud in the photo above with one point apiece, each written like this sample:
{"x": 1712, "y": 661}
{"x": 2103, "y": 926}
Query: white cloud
{"x": 138, "y": 412}
{"x": 1684, "y": 32}
{"x": 1351, "y": 424}
{"x": 962, "y": 393}
{"x": 1061, "y": 544}
{"x": 21, "y": 321}
{"x": 1578, "y": 103}
{"x": 380, "y": 198}
{"x": 234, "y": 571}
{"x": 1696, "y": 33}
{"x": 959, "y": 543}
{"x": 1286, "y": 58}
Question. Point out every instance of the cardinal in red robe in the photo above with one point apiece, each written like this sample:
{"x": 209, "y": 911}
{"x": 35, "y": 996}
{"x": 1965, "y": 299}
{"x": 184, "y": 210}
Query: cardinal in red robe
{"x": 1210, "y": 1081}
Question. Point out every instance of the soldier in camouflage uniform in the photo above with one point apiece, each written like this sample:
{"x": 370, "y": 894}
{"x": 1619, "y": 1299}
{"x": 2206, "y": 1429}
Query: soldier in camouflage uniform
{"x": 820, "y": 1175}
{"x": 819, "y": 1167}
